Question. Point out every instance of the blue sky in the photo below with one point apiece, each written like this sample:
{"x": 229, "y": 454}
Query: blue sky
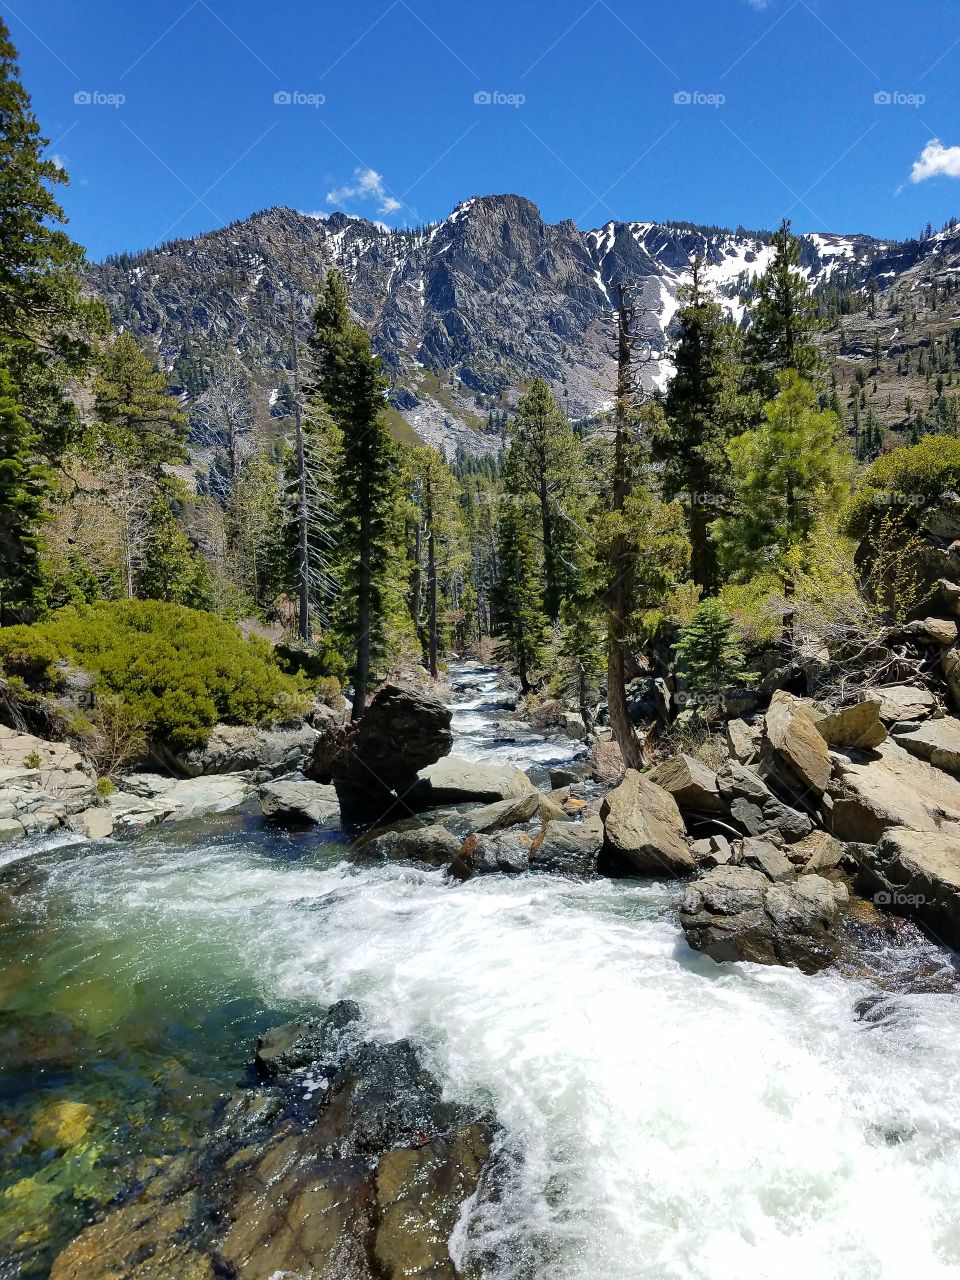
{"x": 714, "y": 111}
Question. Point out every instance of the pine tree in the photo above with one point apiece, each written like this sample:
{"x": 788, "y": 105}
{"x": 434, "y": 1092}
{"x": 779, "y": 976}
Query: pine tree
{"x": 544, "y": 460}
{"x": 139, "y": 429}
{"x": 47, "y": 325}
{"x": 701, "y": 411}
{"x": 788, "y": 472}
{"x": 348, "y": 381}
{"x": 712, "y": 651}
{"x": 170, "y": 569}
{"x": 784, "y": 321}
{"x": 519, "y": 620}
{"x": 24, "y": 484}
{"x": 437, "y": 519}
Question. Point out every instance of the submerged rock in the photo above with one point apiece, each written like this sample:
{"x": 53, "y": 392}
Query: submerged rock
{"x": 347, "y": 1164}
{"x": 436, "y": 845}
{"x": 508, "y": 852}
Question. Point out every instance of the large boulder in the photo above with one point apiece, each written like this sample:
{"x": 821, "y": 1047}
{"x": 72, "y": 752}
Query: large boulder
{"x": 148, "y": 798}
{"x": 401, "y": 732}
{"x": 42, "y": 785}
{"x": 917, "y": 874}
{"x": 692, "y": 785}
{"x": 737, "y": 913}
{"x": 794, "y": 755}
{"x": 455, "y": 781}
{"x": 890, "y": 789}
{"x": 939, "y": 632}
{"x": 643, "y": 829}
{"x": 568, "y": 848}
{"x": 294, "y": 803}
{"x": 232, "y": 748}
{"x": 936, "y": 741}
{"x": 756, "y": 810}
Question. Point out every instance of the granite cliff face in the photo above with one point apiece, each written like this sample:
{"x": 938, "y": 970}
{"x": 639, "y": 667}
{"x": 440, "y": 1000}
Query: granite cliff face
{"x": 463, "y": 312}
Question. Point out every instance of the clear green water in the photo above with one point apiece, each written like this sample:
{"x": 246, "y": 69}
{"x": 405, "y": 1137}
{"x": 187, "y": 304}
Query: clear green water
{"x": 117, "y": 1040}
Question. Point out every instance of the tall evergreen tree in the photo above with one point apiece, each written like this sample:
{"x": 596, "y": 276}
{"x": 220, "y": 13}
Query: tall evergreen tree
{"x": 24, "y": 484}
{"x": 519, "y": 620}
{"x": 170, "y": 568}
{"x": 47, "y": 324}
{"x": 139, "y": 429}
{"x": 544, "y": 460}
{"x": 788, "y": 472}
{"x": 348, "y": 381}
{"x": 439, "y": 542}
{"x": 702, "y": 410}
{"x": 784, "y": 321}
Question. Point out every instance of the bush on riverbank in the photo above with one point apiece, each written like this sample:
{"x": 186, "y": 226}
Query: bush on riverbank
{"x": 176, "y": 670}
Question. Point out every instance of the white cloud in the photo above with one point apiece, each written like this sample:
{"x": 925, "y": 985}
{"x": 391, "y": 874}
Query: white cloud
{"x": 936, "y": 160}
{"x": 761, "y": 4}
{"x": 58, "y": 160}
{"x": 367, "y": 185}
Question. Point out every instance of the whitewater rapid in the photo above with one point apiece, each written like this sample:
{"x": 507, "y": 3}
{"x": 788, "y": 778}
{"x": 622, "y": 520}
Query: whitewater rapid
{"x": 665, "y": 1118}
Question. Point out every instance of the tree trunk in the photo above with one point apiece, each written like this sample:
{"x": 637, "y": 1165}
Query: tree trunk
{"x": 701, "y": 549}
{"x": 303, "y": 543}
{"x": 416, "y": 587}
{"x": 431, "y": 580}
{"x": 551, "y": 595}
{"x": 362, "y": 679}
{"x": 618, "y": 602}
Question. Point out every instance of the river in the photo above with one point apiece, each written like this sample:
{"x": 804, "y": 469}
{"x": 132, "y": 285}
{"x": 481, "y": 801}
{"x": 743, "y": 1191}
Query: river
{"x": 665, "y": 1117}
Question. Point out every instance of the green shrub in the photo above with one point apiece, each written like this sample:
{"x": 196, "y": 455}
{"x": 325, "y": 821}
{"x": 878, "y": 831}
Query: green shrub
{"x": 176, "y": 670}
{"x": 911, "y": 478}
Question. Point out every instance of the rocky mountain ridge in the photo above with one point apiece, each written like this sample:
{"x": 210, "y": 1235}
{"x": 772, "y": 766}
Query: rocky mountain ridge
{"x": 463, "y": 311}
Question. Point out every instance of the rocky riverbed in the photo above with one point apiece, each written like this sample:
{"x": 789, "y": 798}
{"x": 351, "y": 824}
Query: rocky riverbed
{"x": 540, "y": 1060}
